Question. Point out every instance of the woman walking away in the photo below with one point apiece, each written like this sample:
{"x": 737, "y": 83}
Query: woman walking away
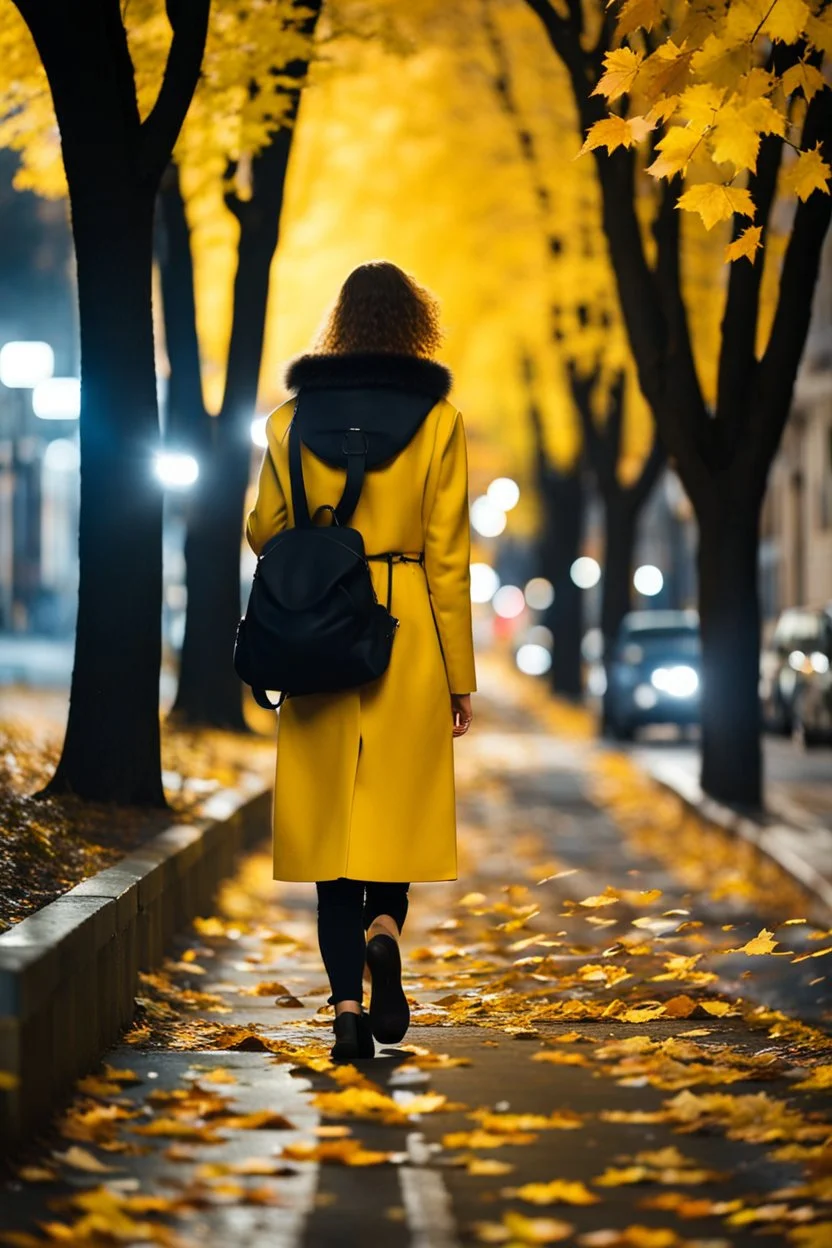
{"x": 364, "y": 790}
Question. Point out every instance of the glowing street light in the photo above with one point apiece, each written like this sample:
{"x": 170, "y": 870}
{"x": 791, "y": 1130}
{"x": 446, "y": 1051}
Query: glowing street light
{"x": 488, "y": 519}
{"x": 24, "y": 364}
{"x": 258, "y": 431}
{"x": 585, "y": 572}
{"x": 57, "y": 398}
{"x": 176, "y": 470}
{"x": 648, "y": 580}
{"x": 503, "y": 493}
{"x": 484, "y": 582}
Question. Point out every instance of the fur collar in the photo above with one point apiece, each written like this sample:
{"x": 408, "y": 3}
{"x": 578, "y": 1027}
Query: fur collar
{"x": 400, "y": 372}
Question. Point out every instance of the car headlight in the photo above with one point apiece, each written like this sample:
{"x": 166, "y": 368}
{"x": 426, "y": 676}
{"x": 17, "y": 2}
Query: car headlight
{"x": 679, "y": 681}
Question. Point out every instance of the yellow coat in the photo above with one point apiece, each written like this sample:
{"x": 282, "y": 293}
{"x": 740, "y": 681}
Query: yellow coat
{"x": 364, "y": 784}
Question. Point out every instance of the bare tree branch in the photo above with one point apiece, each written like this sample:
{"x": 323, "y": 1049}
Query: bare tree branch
{"x": 651, "y": 470}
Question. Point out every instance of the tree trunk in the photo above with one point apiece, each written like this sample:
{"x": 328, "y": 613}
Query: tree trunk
{"x": 209, "y": 691}
{"x": 620, "y": 522}
{"x": 562, "y": 498}
{"x": 186, "y": 424}
{"x": 111, "y": 751}
{"x": 730, "y": 622}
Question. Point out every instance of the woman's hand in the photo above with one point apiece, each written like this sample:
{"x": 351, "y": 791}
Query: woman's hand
{"x": 462, "y": 713}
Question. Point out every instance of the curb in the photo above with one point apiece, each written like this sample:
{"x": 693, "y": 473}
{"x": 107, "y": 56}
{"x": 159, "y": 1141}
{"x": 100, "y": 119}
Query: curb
{"x": 69, "y": 972}
{"x": 798, "y": 846}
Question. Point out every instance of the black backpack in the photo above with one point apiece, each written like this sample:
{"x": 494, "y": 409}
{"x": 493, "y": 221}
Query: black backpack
{"x": 313, "y": 623}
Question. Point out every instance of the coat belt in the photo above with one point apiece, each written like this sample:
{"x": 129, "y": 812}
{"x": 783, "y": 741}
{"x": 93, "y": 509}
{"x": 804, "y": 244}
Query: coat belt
{"x": 396, "y": 556}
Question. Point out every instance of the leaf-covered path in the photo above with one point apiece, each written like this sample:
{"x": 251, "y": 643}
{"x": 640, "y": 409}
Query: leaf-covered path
{"x": 597, "y": 1054}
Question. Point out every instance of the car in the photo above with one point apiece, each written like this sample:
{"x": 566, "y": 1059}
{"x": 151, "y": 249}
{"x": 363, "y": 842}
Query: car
{"x": 653, "y": 673}
{"x": 799, "y": 652}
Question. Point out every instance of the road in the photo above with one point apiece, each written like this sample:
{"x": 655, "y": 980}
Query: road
{"x": 584, "y": 1018}
{"x": 801, "y": 778}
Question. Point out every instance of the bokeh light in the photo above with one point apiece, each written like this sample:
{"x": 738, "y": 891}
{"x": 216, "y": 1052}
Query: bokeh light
{"x": 509, "y": 601}
{"x": 484, "y": 582}
{"x": 585, "y": 572}
{"x": 57, "y": 398}
{"x": 648, "y": 580}
{"x": 540, "y": 635}
{"x": 24, "y": 364}
{"x": 533, "y": 660}
{"x": 488, "y": 519}
{"x": 176, "y": 470}
{"x": 503, "y": 493}
{"x": 62, "y": 455}
{"x": 540, "y": 593}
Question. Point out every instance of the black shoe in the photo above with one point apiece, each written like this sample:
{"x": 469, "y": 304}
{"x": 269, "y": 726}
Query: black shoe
{"x": 353, "y": 1037}
{"x": 389, "y": 1011}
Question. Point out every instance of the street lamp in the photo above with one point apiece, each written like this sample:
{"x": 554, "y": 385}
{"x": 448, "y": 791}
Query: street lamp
{"x": 175, "y": 469}
{"x": 57, "y": 398}
{"x": 24, "y": 364}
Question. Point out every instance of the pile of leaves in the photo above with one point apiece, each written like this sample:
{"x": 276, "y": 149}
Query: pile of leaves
{"x": 49, "y": 844}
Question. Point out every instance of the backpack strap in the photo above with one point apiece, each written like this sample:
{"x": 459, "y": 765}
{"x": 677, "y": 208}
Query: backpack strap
{"x": 300, "y": 506}
{"x": 355, "y": 446}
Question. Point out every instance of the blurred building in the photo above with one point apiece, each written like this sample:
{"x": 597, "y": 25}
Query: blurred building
{"x": 797, "y": 521}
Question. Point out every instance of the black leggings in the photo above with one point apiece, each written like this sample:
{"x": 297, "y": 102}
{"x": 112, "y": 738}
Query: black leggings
{"x": 344, "y": 914}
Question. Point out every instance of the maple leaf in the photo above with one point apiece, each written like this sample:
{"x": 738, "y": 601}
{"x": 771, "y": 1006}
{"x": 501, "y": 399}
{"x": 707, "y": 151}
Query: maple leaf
{"x": 676, "y": 149}
{"x": 746, "y": 244}
{"x": 764, "y": 942}
{"x": 810, "y": 172}
{"x": 485, "y": 1139}
{"x": 637, "y": 14}
{"x": 555, "y": 1192}
{"x": 666, "y": 70}
{"x": 700, "y": 104}
{"x": 612, "y": 132}
{"x": 522, "y": 1230}
{"x": 819, "y": 30}
{"x": 621, "y": 68}
{"x": 735, "y": 140}
{"x": 821, "y": 1077}
{"x": 803, "y": 77}
{"x": 786, "y": 20}
{"x": 715, "y": 202}
{"x": 82, "y": 1159}
{"x": 617, "y": 1176}
{"x": 344, "y": 1152}
{"x": 487, "y": 1165}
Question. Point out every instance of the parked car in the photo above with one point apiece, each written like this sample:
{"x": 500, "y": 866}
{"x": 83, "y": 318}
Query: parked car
{"x": 653, "y": 672}
{"x": 794, "y": 669}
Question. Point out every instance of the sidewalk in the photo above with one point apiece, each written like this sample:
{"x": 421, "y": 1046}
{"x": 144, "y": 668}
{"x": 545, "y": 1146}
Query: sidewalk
{"x": 606, "y": 1046}
{"x": 796, "y": 830}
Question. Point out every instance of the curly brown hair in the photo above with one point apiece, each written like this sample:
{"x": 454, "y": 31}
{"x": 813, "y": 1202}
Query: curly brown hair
{"x": 380, "y": 308}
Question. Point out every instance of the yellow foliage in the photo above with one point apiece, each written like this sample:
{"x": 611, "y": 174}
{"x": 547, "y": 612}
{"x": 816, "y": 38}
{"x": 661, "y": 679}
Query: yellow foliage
{"x": 620, "y": 69}
{"x": 747, "y": 245}
{"x": 715, "y": 202}
{"x": 808, "y": 173}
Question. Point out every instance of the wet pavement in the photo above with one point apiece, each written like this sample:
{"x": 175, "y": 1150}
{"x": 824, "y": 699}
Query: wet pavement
{"x": 609, "y": 1040}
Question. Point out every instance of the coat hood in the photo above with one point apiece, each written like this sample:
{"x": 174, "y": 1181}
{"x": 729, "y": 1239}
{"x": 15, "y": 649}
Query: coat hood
{"x": 370, "y": 370}
{"x": 386, "y": 396}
